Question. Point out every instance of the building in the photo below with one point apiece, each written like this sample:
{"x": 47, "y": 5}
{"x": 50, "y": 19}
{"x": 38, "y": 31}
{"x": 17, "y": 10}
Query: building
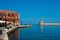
{"x": 9, "y": 16}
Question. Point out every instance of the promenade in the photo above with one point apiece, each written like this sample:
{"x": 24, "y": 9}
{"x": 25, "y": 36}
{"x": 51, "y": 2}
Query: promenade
{"x": 4, "y": 35}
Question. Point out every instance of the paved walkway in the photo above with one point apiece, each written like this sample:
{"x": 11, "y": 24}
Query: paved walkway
{"x": 4, "y": 35}
{"x": 1, "y": 37}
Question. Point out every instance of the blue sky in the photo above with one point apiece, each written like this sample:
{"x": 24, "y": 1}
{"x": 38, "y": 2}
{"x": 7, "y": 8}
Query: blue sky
{"x": 33, "y": 9}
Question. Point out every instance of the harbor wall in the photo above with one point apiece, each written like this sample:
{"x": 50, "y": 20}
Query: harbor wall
{"x": 13, "y": 34}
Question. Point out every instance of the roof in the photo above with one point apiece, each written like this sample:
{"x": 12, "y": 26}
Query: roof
{"x": 9, "y": 11}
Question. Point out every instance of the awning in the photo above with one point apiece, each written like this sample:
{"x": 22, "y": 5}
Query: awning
{"x": 2, "y": 21}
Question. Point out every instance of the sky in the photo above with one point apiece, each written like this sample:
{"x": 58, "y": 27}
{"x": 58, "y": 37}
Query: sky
{"x": 33, "y": 9}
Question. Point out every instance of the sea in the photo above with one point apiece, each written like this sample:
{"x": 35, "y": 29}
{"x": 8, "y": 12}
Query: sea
{"x": 36, "y": 33}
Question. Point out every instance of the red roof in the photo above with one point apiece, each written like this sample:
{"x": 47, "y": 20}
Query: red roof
{"x": 7, "y": 11}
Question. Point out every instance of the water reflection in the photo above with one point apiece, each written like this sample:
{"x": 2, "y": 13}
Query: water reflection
{"x": 34, "y": 33}
{"x": 13, "y": 35}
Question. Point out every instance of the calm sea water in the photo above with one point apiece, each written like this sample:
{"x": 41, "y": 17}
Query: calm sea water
{"x": 34, "y": 33}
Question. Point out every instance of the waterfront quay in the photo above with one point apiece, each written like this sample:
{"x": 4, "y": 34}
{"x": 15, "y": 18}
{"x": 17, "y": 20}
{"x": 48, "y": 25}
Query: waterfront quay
{"x": 5, "y": 33}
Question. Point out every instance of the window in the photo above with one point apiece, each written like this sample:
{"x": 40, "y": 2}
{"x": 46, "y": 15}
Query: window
{"x": 12, "y": 14}
{"x": 8, "y": 14}
{"x": 0, "y": 16}
{"x": 0, "y": 13}
{"x": 6, "y": 19}
{"x": 5, "y": 14}
{"x": 13, "y": 20}
{"x": 2, "y": 24}
{"x": 3, "y": 19}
